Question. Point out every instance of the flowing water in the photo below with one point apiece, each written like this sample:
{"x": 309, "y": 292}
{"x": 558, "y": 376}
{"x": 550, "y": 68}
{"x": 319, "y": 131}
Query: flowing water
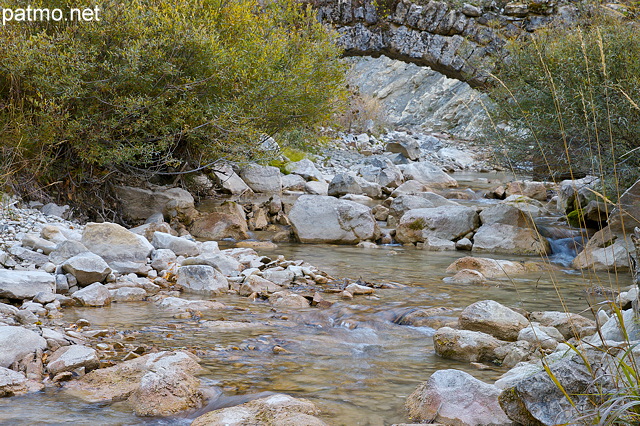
{"x": 351, "y": 359}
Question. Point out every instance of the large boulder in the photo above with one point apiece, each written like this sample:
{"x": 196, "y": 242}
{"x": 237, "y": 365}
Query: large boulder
{"x": 489, "y": 316}
{"x": 158, "y": 384}
{"x": 459, "y": 158}
{"x": 349, "y": 183}
{"x": 139, "y": 204}
{"x": 446, "y": 222}
{"x": 228, "y": 265}
{"x": 273, "y": 410}
{"x": 123, "y": 250}
{"x": 18, "y": 342}
{"x": 567, "y": 323}
{"x": 403, "y": 203}
{"x": 626, "y": 215}
{"x": 202, "y": 278}
{"x": 225, "y": 221}
{"x": 467, "y": 345}
{"x": 12, "y": 382}
{"x": 574, "y": 194}
{"x": 454, "y": 397}
{"x": 531, "y": 189}
{"x": 506, "y": 214}
{"x": 87, "y": 267}
{"x": 264, "y": 179}
{"x": 408, "y": 147}
{"x": 65, "y": 250}
{"x": 428, "y": 174}
{"x": 605, "y": 251}
{"x": 304, "y": 168}
{"x": 96, "y": 295}
{"x": 228, "y": 181}
{"x": 25, "y": 284}
{"x": 320, "y": 219}
{"x": 502, "y": 238}
{"x": 293, "y": 183}
{"x": 381, "y": 171}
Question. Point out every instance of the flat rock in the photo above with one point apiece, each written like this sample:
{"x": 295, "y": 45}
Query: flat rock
{"x": 180, "y": 246}
{"x": 18, "y": 342}
{"x": 87, "y": 268}
{"x": 202, "y": 278}
{"x": 12, "y": 382}
{"x": 123, "y": 250}
{"x": 25, "y": 284}
{"x": 68, "y": 358}
{"x": 95, "y": 295}
{"x": 489, "y": 316}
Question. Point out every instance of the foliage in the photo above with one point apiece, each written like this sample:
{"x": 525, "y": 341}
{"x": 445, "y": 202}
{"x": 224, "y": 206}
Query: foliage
{"x": 569, "y": 98}
{"x": 160, "y": 85}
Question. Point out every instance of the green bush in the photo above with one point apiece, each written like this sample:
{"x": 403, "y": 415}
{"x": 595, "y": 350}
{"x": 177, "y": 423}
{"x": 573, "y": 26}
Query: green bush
{"x": 567, "y": 99}
{"x": 160, "y": 85}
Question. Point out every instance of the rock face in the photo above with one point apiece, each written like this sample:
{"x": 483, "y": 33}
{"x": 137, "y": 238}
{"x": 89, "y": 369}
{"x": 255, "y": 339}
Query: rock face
{"x": 87, "y": 268}
{"x": 123, "y": 250}
{"x": 202, "y": 278}
{"x": 25, "y": 284}
{"x": 491, "y": 317}
{"x": 18, "y": 342}
{"x": 428, "y": 174}
{"x": 158, "y": 384}
{"x": 446, "y": 222}
{"x": 454, "y": 397}
{"x": 322, "y": 219}
{"x": 501, "y": 238}
{"x": 265, "y": 179}
{"x": 273, "y": 410}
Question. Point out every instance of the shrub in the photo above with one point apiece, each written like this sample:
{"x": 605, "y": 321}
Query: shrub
{"x": 160, "y": 85}
{"x": 567, "y": 99}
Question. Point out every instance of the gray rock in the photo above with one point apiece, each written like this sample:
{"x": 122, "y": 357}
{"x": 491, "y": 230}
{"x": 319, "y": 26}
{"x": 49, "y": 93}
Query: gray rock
{"x": 179, "y": 245}
{"x": 202, "y": 278}
{"x": 605, "y": 251}
{"x": 381, "y": 171}
{"x": 69, "y": 358}
{"x": 25, "y": 284}
{"x": 535, "y": 190}
{"x": 138, "y": 204}
{"x": 87, "y": 268}
{"x": 66, "y": 250}
{"x": 12, "y": 382}
{"x": 52, "y": 209}
{"x": 403, "y": 203}
{"x": 29, "y": 256}
{"x": 226, "y": 264}
{"x": 123, "y": 250}
{"x": 567, "y": 323}
{"x": 62, "y": 284}
{"x": 304, "y": 168}
{"x": 428, "y": 174}
{"x": 544, "y": 337}
{"x": 345, "y": 183}
{"x": 317, "y": 188}
{"x": 466, "y": 345}
{"x": 506, "y": 214}
{"x": 460, "y": 158}
{"x": 282, "y": 277}
{"x": 263, "y": 179}
{"x": 501, "y": 238}
{"x": 406, "y": 146}
{"x": 446, "y": 222}
{"x": 229, "y": 181}
{"x": 128, "y": 294}
{"x": 489, "y": 316}
{"x": 293, "y": 183}
{"x": 18, "y": 342}
{"x": 320, "y": 219}
{"x": 95, "y": 294}
{"x": 286, "y": 299}
{"x": 255, "y": 284}
{"x": 161, "y": 259}
{"x": 36, "y": 243}
{"x": 455, "y": 397}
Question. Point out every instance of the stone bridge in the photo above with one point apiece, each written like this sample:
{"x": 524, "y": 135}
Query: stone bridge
{"x": 460, "y": 41}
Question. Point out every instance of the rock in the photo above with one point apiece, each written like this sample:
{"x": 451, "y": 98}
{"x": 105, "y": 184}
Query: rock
{"x": 293, "y": 183}
{"x": 123, "y": 250}
{"x": 544, "y": 337}
{"x": 357, "y": 289}
{"x": 162, "y": 259}
{"x": 455, "y": 397}
{"x": 138, "y": 203}
{"x": 52, "y": 209}
{"x": 567, "y": 323}
{"x": 432, "y": 243}
{"x": 491, "y": 317}
{"x": 446, "y": 222}
{"x": 227, "y": 221}
{"x": 345, "y": 183}
{"x": 529, "y": 206}
{"x": 66, "y": 250}
{"x": 535, "y": 190}
{"x": 381, "y": 171}
{"x": 571, "y": 193}
{"x": 464, "y": 244}
{"x": 505, "y": 214}
{"x": 69, "y": 358}
{"x": 605, "y": 251}
{"x": 612, "y": 331}
{"x": 408, "y": 147}
{"x": 285, "y": 299}
{"x": 255, "y": 284}
{"x": 180, "y": 246}
{"x": 403, "y": 203}
{"x": 29, "y": 256}
{"x": 87, "y": 268}
{"x": 501, "y": 238}
{"x": 319, "y": 219}
{"x": 176, "y": 303}
{"x": 304, "y": 168}
{"x": 228, "y": 181}
{"x": 625, "y": 216}
{"x": 227, "y": 265}
{"x": 466, "y": 276}
{"x": 18, "y": 342}
{"x": 317, "y": 188}
{"x": 410, "y": 187}
{"x": 158, "y": 384}
{"x": 262, "y": 179}
{"x": 25, "y": 284}
{"x": 380, "y": 212}
{"x": 428, "y": 174}
{"x": 273, "y": 410}
{"x": 283, "y": 277}
{"x": 466, "y": 345}
{"x": 36, "y": 243}
{"x": 12, "y": 382}
{"x": 202, "y": 278}
{"x": 95, "y": 294}
{"x": 128, "y": 294}
{"x": 460, "y": 158}
{"x": 492, "y": 268}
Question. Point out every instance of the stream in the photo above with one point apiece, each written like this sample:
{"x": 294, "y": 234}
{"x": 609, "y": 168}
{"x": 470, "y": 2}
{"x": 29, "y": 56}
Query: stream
{"x": 351, "y": 359}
